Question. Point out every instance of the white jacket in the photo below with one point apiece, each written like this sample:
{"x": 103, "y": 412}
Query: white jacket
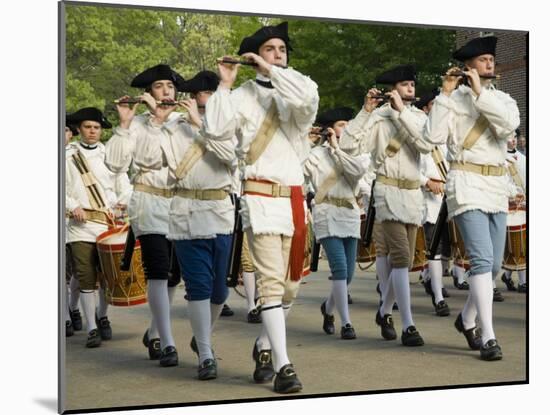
{"x": 450, "y": 120}
{"x": 330, "y": 220}
{"x": 193, "y": 218}
{"x": 241, "y": 113}
{"x": 76, "y": 195}
{"x": 127, "y": 149}
{"x": 371, "y": 133}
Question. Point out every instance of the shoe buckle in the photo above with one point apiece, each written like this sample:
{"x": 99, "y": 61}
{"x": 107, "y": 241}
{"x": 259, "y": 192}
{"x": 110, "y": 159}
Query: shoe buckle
{"x": 264, "y": 357}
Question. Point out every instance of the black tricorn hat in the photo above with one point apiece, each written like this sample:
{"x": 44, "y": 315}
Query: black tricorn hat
{"x": 73, "y": 129}
{"x": 329, "y": 117}
{"x": 426, "y": 98}
{"x": 253, "y": 43}
{"x": 476, "y": 47}
{"x": 397, "y": 74}
{"x": 88, "y": 114}
{"x": 157, "y": 73}
{"x": 203, "y": 81}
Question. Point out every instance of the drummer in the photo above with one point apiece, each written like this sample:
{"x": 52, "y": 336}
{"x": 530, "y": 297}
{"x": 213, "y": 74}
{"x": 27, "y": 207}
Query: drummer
{"x": 150, "y": 201}
{"x": 517, "y": 167}
{"x": 90, "y": 198}
{"x": 335, "y": 177}
{"x": 392, "y": 134}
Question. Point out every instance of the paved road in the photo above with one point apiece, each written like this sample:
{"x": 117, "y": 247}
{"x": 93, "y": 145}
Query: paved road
{"x": 119, "y": 373}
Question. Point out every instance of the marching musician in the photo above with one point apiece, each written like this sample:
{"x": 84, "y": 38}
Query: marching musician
{"x": 201, "y": 214}
{"x": 335, "y": 178}
{"x": 200, "y": 88}
{"x": 149, "y": 205}
{"x": 475, "y": 120}
{"x": 393, "y": 135}
{"x": 271, "y": 116}
{"x": 516, "y": 159}
{"x": 90, "y": 199}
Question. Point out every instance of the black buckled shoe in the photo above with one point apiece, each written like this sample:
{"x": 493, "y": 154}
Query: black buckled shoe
{"x": 226, "y": 311}
{"x": 153, "y": 346}
{"x": 386, "y": 326}
{"x": 445, "y": 293}
{"x": 497, "y": 296}
{"x": 350, "y": 300}
{"x": 69, "y": 330}
{"x": 411, "y": 337}
{"x": 76, "y": 319}
{"x": 522, "y": 288}
{"x": 104, "y": 326}
{"x": 264, "y": 370}
{"x": 254, "y": 316}
{"x": 442, "y": 309}
{"x": 491, "y": 351}
{"x": 208, "y": 370}
{"x": 94, "y": 339}
{"x": 328, "y": 320}
{"x": 287, "y": 381}
{"x": 472, "y": 335}
{"x": 508, "y": 281}
{"x": 169, "y": 357}
{"x": 461, "y": 286}
{"x": 347, "y": 332}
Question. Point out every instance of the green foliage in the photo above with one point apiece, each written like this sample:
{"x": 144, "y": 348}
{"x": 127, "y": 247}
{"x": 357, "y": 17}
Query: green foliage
{"x": 106, "y": 47}
{"x": 344, "y": 58}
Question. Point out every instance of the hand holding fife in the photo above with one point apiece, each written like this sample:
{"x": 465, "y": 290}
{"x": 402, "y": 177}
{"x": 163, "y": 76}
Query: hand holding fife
{"x": 126, "y": 112}
{"x": 193, "y": 110}
{"x": 332, "y": 140}
{"x": 474, "y": 80}
{"x": 228, "y": 72}
{"x": 396, "y": 101}
{"x": 263, "y": 67}
{"x": 370, "y": 102}
{"x": 450, "y": 82}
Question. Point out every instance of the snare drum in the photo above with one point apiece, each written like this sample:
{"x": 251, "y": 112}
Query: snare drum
{"x": 515, "y": 250}
{"x": 123, "y": 288}
{"x": 420, "y": 260}
{"x": 457, "y": 246}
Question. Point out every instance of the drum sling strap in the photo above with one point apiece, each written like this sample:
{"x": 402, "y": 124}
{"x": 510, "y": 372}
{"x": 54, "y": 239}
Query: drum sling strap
{"x": 439, "y": 161}
{"x": 98, "y": 213}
